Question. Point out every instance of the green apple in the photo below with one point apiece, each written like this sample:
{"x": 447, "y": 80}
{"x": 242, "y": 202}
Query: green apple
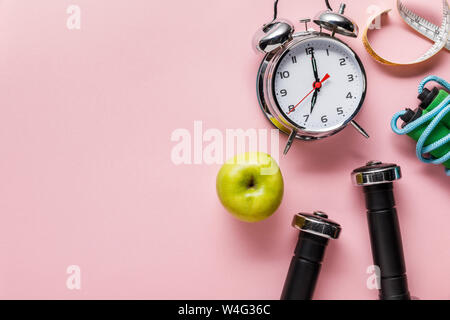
{"x": 250, "y": 186}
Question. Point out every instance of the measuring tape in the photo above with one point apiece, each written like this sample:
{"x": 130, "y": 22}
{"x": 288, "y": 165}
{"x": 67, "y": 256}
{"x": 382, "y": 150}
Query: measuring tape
{"x": 439, "y": 35}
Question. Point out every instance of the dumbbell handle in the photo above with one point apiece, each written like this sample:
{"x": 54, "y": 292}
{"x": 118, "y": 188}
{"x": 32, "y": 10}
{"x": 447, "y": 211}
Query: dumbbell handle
{"x": 305, "y": 267}
{"x": 386, "y": 241}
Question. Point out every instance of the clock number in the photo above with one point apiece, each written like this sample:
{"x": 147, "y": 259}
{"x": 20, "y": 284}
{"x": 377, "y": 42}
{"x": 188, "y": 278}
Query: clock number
{"x": 340, "y": 110}
{"x": 324, "y": 119}
{"x": 306, "y": 116}
{"x": 342, "y": 62}
{"x": 294, "y": 59}
{"x": 350, "y": 77}
{"x": 291, "y": 108}
{"x": 283, "y": 93}
{"x": 309, "y": 51}
{"x": 328, "y": 52}
{"x": 349, "y": 95}
{"x": 284, "y": 74}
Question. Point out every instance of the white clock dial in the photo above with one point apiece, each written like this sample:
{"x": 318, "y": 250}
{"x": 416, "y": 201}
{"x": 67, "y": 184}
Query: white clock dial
{"x": 335, "y": 100}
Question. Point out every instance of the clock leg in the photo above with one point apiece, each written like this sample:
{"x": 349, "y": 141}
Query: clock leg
{"x": 360, "y": 129}
{"x": 290, "y": 141}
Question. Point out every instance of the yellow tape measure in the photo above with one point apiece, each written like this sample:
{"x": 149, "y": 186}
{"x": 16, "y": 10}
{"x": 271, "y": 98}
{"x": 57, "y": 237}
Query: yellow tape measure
{"x": 440, "y": 35}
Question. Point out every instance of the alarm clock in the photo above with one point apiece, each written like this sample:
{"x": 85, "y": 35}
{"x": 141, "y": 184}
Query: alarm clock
{"x": 310, "y": 84}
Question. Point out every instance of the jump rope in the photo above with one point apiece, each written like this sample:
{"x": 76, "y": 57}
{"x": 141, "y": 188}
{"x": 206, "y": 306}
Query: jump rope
{"x": 429, "y": 124}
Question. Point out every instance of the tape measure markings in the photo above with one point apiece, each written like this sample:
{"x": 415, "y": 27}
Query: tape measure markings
{"x": 423, "y": 26}
{"x": 440, "y": 35}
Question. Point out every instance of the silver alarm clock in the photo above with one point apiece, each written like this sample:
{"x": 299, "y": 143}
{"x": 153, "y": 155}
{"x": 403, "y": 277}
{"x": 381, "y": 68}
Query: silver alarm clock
{"x": 310, "y": 84}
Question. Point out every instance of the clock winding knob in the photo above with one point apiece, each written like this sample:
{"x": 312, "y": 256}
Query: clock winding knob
{"x": 305, "y": 21}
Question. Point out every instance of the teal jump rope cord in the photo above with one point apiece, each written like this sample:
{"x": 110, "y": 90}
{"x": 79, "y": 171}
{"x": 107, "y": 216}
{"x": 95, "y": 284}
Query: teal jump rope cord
{"x": 435, "y": 116}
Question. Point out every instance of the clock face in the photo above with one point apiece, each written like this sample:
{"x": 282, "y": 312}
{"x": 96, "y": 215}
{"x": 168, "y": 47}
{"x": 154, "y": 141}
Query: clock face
{"x": 319, "y": 84}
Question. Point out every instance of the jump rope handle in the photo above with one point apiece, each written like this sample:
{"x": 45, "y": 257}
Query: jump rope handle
{"x": 377, "y": 178}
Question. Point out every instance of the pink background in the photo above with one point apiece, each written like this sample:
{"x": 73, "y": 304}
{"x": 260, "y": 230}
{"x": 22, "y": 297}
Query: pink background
{"x": 86, "y": 176}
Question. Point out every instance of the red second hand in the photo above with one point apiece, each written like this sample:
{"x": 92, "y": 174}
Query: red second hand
{"x": 327, "y": 76}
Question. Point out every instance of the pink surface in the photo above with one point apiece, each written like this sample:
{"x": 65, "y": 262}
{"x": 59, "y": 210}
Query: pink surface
{"x": 86, "y": 176}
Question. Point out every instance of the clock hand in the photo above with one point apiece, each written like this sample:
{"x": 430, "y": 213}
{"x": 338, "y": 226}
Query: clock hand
{"x": 314, "y": 66}
{"x": 317, "y": 85}
{"x": 314, "y": 100}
